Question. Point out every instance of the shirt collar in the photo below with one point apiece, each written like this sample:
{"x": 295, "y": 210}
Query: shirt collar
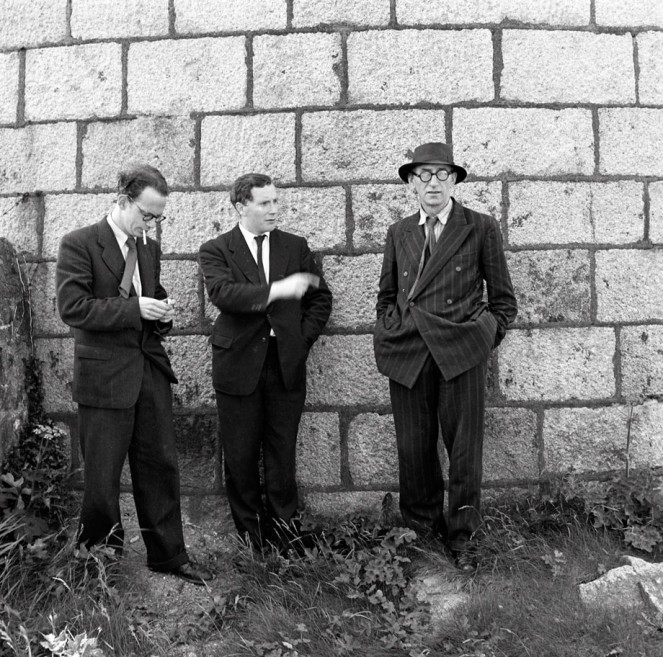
{"x": 442, "y": 216}
{"x": 120, "y": 235}
{"x": 249, "y": 236}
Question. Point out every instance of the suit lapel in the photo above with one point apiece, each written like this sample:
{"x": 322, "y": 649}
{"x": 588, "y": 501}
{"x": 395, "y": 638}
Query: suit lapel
{"x": 412, "y": 239}
{"x": 242, "y": 256}
{"x": 278, "y": 256}
{"x": 110, "y": 249}
{"x": 454, "y": 234}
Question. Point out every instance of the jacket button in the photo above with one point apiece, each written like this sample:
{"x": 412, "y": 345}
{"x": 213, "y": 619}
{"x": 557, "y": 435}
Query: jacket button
{"x": 457, "y": 268}
{"x": 411, "y": 303}
{"x": 404, "y": 273}
{"x": 263, "y": 339}
{"x": 450, "y": 301}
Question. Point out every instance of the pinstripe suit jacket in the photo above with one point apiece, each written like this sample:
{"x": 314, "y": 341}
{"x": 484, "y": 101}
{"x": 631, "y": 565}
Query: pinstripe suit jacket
{"x": 445, "y": 313}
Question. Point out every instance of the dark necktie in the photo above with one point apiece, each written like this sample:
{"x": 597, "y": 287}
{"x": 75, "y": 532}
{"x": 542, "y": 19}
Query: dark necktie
{"x": 129, "y": 268}
{"x": 261, "y": 268}
{"x": 430, "y": 238}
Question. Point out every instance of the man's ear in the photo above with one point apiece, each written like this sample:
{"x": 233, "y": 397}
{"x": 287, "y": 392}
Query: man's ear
{"x": 123, "y": 200}
{"x": 239, "y": 206}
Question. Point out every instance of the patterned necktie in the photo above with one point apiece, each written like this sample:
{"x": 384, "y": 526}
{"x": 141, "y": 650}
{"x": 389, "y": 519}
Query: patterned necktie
{"x": 261, "y": 269}
{"x": 430, "y": 238}
{"x": 129, "y": 268}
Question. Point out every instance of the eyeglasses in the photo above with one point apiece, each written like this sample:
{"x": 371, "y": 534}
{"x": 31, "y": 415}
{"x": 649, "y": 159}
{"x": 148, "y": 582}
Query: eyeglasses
{"x": 427, "y": 176}
{"x": 147, "y": 216}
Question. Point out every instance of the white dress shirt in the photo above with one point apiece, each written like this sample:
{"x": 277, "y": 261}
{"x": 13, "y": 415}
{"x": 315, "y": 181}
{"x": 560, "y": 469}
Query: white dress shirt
{"x": 442, "y": 217}
{"x": 253, "y": 247}
{"x": 121, "y": 238}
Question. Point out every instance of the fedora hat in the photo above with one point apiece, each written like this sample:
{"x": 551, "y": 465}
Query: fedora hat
{"x": 433, "y": 153}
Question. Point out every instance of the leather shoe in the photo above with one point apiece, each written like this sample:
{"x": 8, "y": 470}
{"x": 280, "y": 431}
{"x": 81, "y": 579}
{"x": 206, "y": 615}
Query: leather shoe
{"x": 193, "y": 573}
{"x": 465, "y": 561}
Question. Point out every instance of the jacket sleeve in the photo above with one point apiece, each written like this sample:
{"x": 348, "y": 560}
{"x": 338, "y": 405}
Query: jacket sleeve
{"x": 316, "y": 303}
{"x": 77, "y": 304}
{"x": 501, "y": 298}
{"x": 388, "y": 286}
{"x": 224, "y": 291}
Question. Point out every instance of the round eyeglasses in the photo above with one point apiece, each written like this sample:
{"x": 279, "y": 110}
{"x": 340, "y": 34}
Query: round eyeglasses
{"x": 427, "y": 176}
{"x": 147, "y": 216}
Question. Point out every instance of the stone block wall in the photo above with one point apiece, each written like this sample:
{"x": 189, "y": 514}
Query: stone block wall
{"x": 555, "y": 108}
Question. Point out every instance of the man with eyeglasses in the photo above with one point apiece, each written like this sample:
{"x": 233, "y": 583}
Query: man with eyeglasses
{"x": 433, "y": 338}
{"x": 109, "y": 292}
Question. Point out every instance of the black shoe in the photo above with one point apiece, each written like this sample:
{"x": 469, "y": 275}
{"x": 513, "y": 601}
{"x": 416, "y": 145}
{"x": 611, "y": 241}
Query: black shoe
{"x": 193, "y": 573}
{"x": 465, "y": 560}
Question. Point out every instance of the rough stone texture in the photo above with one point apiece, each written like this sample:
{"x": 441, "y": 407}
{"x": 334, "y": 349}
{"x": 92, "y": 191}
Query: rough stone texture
{"x": 57, "y": 366}
{"x": 560, "y": 12}
{"x": 584, "y": 439}
{"x": 45, "y": 317}
{"x": 307, "y": 13}
{"x": 620, "y": 588}
{"x": 650, "y": 87}
{"x": 445, "y": 596}
{"x": 509, "y": 447}
{"x": 180, "y": 278}
{"x": 341, "y": 371}
{"x": 38, "y": 157}
{"x": 656, "y": 212}
{"x": 231, "y": 145}
{"x": 640, "y": 14}
{"x": 567, "y": 213}
{"x": 316, "y": 214}
{"x": 567, "y": 67}
{"x": 9, "y": 85}
{"x": 13, "y": 348}
{"x": 379, "y": 73}
{"x": 319, "y": 450}
{"x": 372, "y": 454}
{"x": 364, "y": 144}
{"x": 166, "y": 143}
{"x": 638, "y": 296}
{"x": 353, "y": 281}
{"x": 642, "y": 365}
{"x": 194, "y": 218}
{"x": 77, "y": 82}
{"x": 490, "y": 141}
{"x": 558, "y": 364}
{"x": 19, "y": 220}
{"x": 191, "y": 359}
{"x": 376, "y": 207}
{"x": 32, "y": 23}
{"x": 551, "y": 286}
{"x": 341, "y": 505}
{"x": 631, "y": 141}
{"x": 66, "y": 212}
{"x": 195, "y": 16}
{"x": 196, "y": 440}
{"x": 647, "y": 434}
{"x": 296, "y": 70}
{"x": 198, "y": 65}
{"x": 100, "y": 19}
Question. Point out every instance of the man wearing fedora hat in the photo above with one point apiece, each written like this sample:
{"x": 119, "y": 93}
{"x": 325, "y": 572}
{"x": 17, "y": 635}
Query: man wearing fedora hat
{"x": 433, "y": 337}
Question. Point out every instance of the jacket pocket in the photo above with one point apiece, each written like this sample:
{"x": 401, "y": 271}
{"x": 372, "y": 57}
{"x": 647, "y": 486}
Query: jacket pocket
{"x": 223, "y": 341}
{"x": 96, "y": 353}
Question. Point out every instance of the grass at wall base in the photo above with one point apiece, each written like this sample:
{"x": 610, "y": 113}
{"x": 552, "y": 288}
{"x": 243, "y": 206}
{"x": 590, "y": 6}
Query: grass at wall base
{"x": 348, "y": 594}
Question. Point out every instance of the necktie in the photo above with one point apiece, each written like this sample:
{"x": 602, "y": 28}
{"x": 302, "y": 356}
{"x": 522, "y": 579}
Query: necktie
{"x": 261, "y": 268}
{"x": 429, "y": 245}
{"x": 129, "y": 268}
{"x": 430, "y": 238}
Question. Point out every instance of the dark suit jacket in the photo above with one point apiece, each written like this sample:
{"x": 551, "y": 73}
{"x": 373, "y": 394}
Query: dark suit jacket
{"x": 111, "y": 339}
{"x": 445, "y": 314}
{"x": 241, "y": 331}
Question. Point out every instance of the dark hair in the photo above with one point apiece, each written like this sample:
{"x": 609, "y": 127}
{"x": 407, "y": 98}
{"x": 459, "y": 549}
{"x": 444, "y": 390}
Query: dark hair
{"x": 137, "y": 177}
{"x": 241, "y": 192}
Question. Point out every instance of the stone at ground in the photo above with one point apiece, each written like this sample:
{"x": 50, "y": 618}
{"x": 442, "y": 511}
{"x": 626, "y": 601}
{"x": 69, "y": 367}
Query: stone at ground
{"x": 638, "y": 584}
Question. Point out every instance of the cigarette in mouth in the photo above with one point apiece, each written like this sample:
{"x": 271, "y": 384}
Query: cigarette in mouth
{"x": 144, "y": 237}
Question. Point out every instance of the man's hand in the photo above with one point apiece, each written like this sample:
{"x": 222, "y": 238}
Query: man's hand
{"x": 293, "y": 287}
{"x": 156, "y": 310}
